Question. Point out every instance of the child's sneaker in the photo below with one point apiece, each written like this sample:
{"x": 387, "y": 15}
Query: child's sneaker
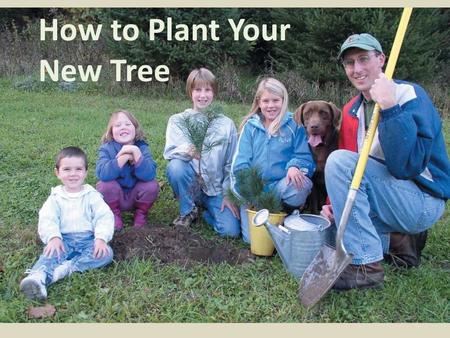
{"x": 62, "y": 271}
{"x": 33, "y": 286}
{"x": 187, "y": 220}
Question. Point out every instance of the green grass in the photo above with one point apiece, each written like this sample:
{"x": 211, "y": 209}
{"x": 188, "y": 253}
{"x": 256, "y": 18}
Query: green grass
{"x": 35, "y": 125}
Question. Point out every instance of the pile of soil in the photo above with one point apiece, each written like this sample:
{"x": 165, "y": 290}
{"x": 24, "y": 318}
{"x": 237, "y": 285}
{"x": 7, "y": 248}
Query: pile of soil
{"x": 175, "y": 245}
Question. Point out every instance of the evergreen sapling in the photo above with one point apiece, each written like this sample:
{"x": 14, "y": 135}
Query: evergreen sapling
{"x": 199, "y": 129}
{"x": 252, "y": 194}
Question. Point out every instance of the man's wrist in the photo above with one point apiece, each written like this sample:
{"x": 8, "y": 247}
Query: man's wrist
{"x": 387, "y": 104}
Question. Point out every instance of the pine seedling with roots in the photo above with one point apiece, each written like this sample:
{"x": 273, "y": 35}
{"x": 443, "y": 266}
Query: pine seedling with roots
{"x": 199, "y": 129}
{"x": 251, "y": 191}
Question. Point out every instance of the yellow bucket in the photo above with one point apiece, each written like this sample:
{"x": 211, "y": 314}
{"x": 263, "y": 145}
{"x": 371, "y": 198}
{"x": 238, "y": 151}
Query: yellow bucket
{"x": 260, "y": 241}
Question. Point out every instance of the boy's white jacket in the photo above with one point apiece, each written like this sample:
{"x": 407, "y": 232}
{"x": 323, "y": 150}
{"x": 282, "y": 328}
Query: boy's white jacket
{"x": 85, "y": 211}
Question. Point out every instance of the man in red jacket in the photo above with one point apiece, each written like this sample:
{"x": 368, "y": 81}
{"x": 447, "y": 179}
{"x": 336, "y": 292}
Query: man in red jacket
{"x": 407, "y": 178}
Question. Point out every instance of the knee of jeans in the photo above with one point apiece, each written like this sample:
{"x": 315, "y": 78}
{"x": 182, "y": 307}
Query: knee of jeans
{"x": 110, "y": 254}
{"x": 338, "y": 161}
{"x": 296, "y": 197}
{"x": 230, "y": 230}
{"x": 108, "y": 257}
{"x": 224, "y": 223}
{"x": 295, "y": 201}
{"x": 280, "y": 187}
{"x": 176, "y": 168}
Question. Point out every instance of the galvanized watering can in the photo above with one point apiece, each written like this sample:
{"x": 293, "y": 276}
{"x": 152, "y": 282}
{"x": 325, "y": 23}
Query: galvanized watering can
{"x": 299, "y": 240}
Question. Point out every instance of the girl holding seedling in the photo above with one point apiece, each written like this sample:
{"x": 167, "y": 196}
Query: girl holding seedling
{"x": 200, "y": 143}
{"x": 126, "y": 169}
{"x": 272, "y": 142}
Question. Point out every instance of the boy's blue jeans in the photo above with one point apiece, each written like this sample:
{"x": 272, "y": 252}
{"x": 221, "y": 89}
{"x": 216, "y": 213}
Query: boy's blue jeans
{"x": 288, "y": 193}
{"x": 79, "y": 251}
{"x": 182, "y": 176}
{"x": 383, "y": 204}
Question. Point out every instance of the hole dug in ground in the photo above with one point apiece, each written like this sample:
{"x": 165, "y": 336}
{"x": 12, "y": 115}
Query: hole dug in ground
{"x": 175, "y": 245}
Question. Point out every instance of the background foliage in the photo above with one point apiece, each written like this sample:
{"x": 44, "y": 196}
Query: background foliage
{"x": 310, "y": 49}
{"x": 180, "y": 56}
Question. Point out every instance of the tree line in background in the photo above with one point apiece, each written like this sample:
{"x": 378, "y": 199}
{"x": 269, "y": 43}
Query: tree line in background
{"x": 307, "y": 56}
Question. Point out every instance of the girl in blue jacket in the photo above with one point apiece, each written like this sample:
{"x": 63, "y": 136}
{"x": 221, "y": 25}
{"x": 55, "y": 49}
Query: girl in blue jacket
{"x": 271, "y": 141}
{"x": 126, "y": 169}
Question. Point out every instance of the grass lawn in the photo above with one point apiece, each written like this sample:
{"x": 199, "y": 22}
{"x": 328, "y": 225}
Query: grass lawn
{"x": 35, "y": 125}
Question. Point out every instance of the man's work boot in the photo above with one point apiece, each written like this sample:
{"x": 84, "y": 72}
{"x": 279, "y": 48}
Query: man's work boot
{"x": 405, "y": 250}
{"x": 366, "y": 276}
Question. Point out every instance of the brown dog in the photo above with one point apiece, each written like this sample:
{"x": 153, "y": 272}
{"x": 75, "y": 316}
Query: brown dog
{"x": 322, "y": 121}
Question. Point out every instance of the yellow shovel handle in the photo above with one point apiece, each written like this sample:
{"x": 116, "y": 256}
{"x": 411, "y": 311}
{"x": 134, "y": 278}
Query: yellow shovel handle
{"x": 364, "y": 155}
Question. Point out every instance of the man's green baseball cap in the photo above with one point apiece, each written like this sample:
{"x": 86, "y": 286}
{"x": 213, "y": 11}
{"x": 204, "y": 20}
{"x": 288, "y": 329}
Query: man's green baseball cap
{"x": 363, "y": 41}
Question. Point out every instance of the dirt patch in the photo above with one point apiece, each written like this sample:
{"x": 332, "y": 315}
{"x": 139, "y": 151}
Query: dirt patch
{"x": 175, "y": 245}
{"x": 40, "y": 312}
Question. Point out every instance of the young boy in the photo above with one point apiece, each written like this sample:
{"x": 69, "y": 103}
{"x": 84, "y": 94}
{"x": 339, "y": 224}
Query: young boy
{"x": 182, "y": 169}
{"x": 75, "y": 224}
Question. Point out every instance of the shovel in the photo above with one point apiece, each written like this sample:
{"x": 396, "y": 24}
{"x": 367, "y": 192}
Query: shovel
{"x": 329, "y": 263}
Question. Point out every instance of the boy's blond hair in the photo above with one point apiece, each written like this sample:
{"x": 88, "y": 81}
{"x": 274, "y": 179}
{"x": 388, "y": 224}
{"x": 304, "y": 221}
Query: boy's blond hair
{"x": 200, "y": 77}
{"x": 107, "y": 136}
{"x": 274, "y": 87}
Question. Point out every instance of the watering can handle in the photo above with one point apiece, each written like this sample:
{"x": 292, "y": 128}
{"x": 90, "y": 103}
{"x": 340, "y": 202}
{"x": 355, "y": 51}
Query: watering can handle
{"x": 284, "y": 229}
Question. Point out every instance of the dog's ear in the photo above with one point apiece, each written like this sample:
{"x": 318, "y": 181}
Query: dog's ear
{"x": 298, "y": 115}
{"x": 337, "y": 115}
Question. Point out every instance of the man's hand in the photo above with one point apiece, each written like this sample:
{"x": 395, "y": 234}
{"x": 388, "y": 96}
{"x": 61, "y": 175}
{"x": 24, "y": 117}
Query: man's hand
{"x": 383, "y": 92}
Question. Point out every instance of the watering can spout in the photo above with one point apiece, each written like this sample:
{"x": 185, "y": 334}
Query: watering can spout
{"x": 281, "y": 238}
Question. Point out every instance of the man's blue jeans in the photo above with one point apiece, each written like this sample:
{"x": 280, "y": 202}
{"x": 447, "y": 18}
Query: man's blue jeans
{"x": 289, "y": 195}
{"x": 383, "y": 204}
{"x": 79, "y": 251}
{"x": 182, "y": 176}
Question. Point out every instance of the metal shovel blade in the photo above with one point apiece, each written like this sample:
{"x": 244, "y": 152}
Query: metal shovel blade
{"x": 321, "y": 274}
